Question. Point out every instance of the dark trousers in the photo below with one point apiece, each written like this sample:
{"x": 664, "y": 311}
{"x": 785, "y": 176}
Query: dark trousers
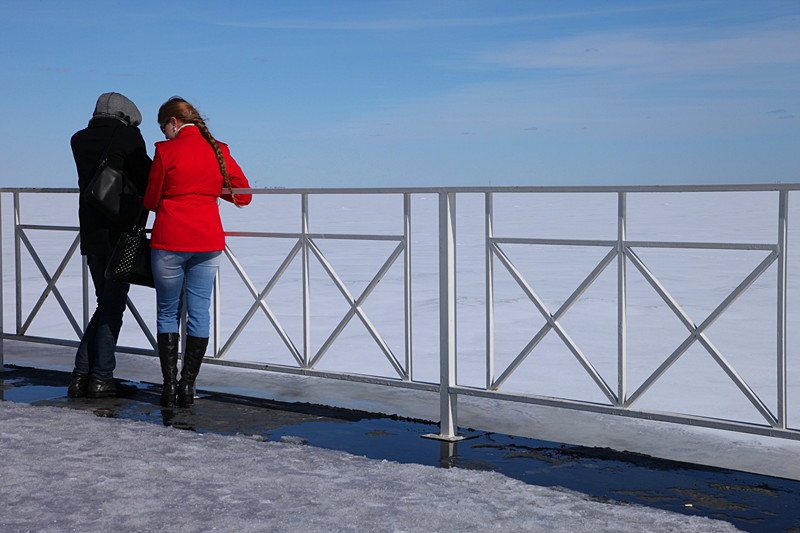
{"x": 96, "y": 352}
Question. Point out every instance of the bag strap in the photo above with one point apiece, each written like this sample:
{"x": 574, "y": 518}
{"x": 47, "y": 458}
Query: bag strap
{"x": 141, "y": 222}
{"x": 104, "y": 157}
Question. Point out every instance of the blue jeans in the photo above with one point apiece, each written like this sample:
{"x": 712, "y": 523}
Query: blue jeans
{"x": 184, "y": 273}
{"x": 95, "y": 353}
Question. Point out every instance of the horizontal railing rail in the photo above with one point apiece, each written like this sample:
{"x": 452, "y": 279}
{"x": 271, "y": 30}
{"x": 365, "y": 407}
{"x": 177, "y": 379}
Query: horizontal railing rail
{"x": 305, "y": 251}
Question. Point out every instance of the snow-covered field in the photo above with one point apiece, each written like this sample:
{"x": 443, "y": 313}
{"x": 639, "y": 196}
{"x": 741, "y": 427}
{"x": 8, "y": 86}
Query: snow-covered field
{"x": 698, "y": 280}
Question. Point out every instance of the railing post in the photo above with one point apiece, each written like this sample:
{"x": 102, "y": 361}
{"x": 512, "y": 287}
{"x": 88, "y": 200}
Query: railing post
{"x": 489, "y": 234}
{"x": 2, "y": 286}
{"x": 217, "y": 313}
{"x": 622, "y": 324}
{"x": 17, "y": 265}
{"x": 407, "y": 283}
{"x": 306, "y": 283}
{"x": 448, "y": 424}
{"x": 783, "y": 211}
{"x": 85, "y": 281}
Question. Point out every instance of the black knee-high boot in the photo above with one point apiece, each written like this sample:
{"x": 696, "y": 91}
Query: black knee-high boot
{"x": 192, "y": 359}
{"x": 168, "y": 354}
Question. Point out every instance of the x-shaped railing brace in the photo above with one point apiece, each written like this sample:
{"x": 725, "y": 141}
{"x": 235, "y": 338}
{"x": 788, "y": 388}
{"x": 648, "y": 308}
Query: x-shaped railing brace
{"x": 696, "y": 333}
{"x": 51, "y": 283}
{"x": 355, "y": 304}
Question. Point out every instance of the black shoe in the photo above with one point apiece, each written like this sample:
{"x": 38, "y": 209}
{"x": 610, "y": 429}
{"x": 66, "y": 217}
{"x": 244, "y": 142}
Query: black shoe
{"x": 78, "y": 384}
{"x": 108, "y": 388}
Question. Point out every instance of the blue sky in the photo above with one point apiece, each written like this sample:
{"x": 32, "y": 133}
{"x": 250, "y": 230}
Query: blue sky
{"x": 344, "y": 93}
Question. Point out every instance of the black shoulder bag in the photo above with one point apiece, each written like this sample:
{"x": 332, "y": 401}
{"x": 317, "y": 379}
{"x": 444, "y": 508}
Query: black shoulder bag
{"x": 109, "y": 190}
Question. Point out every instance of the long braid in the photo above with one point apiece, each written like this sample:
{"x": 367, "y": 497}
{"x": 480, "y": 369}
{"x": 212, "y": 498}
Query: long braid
{"x": 220, "y": 158}
{"x": 183, "y": 110}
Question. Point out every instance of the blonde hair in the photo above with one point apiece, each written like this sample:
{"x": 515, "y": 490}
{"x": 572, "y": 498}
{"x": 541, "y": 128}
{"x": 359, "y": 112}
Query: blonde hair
{"x": 185, "y": 112}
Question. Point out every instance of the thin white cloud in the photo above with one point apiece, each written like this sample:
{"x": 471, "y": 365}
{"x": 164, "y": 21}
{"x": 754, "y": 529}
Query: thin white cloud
{"x": 353, "y": 22}
{"x": 659, "y": 51}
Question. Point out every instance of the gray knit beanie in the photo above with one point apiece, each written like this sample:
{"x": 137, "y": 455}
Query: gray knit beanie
{"x": 117, "y": 106}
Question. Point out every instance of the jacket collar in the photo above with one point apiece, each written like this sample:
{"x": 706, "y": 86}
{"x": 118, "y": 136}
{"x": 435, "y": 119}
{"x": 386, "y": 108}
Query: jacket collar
{"x": 105, "y": 121}
{"x": 188, "y": 129}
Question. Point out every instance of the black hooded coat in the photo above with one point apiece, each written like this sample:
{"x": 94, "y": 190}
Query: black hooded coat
{"x": 127, "y": 152}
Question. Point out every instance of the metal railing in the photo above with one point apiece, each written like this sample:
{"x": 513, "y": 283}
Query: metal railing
{"x": 306, "y": 356}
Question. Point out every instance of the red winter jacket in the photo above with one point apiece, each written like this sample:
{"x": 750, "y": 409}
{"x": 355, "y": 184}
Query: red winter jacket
{"x": 184, "y": 184}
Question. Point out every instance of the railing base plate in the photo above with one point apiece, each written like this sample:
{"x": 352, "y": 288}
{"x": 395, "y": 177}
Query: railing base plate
{"x": 439, "y": 436}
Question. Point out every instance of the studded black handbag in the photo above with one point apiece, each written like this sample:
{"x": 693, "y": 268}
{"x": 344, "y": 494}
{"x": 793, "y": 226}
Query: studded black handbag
{"x": 130, "y": 261}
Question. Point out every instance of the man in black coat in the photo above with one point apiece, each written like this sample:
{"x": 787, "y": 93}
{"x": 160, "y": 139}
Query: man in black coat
{"x": 114, "y": 125}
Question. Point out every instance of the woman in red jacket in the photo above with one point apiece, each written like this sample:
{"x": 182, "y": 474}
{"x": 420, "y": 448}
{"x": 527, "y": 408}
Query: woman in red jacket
{"x": 190, "y": 170}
